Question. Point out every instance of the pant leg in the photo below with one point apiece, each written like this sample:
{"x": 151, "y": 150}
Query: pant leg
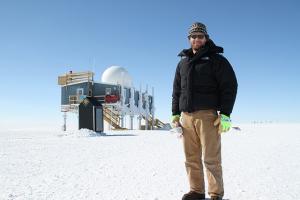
{"x": 211, "y": 150}
{"x": 192, "y": 150}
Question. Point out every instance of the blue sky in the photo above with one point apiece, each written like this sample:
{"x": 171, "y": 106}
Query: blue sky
{"x": 40, "y": 40}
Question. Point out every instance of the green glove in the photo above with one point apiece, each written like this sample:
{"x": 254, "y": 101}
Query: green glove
{"x": 224, "y": 123}
{"x": 175, "y": 120}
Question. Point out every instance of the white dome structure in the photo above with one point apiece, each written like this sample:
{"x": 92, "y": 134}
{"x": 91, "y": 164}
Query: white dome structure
{"x": 117, "y": 75}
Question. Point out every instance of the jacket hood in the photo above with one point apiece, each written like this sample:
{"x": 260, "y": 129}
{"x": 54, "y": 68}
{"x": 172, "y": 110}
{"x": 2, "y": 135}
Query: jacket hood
{"x": 208, "y": 49}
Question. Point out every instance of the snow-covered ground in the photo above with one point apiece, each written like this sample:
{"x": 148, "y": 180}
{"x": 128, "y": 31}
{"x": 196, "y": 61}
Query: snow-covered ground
{"x": 259, "y": 162}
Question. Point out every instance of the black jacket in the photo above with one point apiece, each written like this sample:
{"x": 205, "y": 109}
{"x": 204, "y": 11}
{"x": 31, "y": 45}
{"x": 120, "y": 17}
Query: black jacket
{"x": 204, "y": 80}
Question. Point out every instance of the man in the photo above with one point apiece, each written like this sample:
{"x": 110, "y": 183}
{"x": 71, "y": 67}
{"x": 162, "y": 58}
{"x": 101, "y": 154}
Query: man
{"x": 204, "y": 93}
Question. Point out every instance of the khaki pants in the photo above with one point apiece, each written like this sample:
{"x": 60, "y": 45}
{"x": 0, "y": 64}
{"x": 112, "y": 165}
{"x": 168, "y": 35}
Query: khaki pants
{"x": 202, "y": 143}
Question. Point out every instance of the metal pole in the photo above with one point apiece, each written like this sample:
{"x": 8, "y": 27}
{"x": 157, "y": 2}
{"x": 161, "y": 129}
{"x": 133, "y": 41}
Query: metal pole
{"x": 152, "y": 109}
{"x": 131, "y": 122}
{"x": 122, "y": 120}
{"x": 140, "y": 122}
{"x": 65, "y": 121}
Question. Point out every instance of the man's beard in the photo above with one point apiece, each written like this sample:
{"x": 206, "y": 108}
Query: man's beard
{"x": 197, "y": 48}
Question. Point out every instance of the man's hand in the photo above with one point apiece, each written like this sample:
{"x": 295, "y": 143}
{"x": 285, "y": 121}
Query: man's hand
{"x": 175, "y": 120}
{"x": 224, "y": 123}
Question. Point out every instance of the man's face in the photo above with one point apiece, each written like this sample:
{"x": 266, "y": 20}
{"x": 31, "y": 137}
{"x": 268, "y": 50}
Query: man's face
{"x": 197, "y": 40}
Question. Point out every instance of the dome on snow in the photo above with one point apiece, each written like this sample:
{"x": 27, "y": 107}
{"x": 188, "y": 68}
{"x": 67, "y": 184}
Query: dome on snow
{"x": 117, "y": 75}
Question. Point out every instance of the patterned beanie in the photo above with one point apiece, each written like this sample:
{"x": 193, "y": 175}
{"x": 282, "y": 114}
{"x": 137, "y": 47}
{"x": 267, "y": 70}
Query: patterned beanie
{"x": 196, "y": 28}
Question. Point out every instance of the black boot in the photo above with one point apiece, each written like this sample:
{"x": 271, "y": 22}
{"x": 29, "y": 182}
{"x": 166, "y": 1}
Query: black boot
{"x": 216, "y": 198}
{"x": 193, "y": 196}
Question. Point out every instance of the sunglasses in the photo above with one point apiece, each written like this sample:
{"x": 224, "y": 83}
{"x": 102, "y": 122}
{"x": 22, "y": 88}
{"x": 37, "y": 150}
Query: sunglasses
{"x": 197, "y": 36}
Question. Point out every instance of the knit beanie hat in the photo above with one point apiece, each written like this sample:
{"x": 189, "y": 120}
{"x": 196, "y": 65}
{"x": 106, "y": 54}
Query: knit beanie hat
{"x": 197, "y": 27}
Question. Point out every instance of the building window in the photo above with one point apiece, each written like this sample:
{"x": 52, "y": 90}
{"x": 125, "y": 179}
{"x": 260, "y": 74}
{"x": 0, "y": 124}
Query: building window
{"x": 79, "y": 91}
{"x": 107, "y": 91}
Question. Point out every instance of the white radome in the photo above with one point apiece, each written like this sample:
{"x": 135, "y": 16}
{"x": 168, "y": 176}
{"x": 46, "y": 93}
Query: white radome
{"x": 117, "y": 75}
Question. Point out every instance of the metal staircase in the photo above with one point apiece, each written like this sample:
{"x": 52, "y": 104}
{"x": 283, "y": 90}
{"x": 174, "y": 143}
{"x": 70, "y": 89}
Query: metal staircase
{"x": 111, "y": 117}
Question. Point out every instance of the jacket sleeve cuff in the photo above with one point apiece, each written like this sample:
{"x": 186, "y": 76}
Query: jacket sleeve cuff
{"x": 225, "y": 113}
{"x": 176, "y": 113}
